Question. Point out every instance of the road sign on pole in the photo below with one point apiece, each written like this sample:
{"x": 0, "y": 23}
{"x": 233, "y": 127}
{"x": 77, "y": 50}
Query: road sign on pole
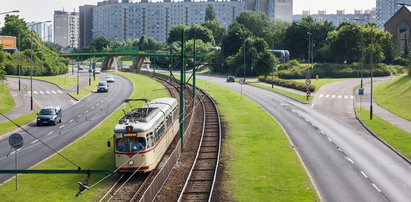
{"x": 308, "y": 76}
{"x": 361, "y": 91}
{"x": 308, "y": 82}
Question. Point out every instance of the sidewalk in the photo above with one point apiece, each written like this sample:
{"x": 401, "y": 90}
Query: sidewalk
{"x": 83, "y": 80}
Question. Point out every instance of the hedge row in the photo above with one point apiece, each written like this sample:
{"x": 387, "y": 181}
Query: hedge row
{"x": 328, "y": 70}
{"x": 287, "y": 83}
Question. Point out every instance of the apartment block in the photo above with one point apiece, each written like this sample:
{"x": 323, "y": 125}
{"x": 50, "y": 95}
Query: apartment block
{"x": 44, "y": 30}
{"x": 66, "y": 29}
{"x": 386, "y": 9}
{"x": 340, "y": 16}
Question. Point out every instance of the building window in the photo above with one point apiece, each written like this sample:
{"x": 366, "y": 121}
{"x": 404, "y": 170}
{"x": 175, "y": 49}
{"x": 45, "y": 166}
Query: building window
{"x": 403, "y": 39}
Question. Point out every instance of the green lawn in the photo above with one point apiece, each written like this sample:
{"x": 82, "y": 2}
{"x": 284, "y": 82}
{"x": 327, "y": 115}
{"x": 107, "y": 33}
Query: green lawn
{"x": 63, "y": 82}
{"x": 260, "y": 162}
{"x": 301, "y": 98}
{"x": 86, "y": 90}
{"x": 395, "y": 96}
{"x": 6, "y": 127}
{"x": 392, "y": 135}
{"x": 320, "y": 82}
{"x": 88, "y": 152}
{"x": 6, "y": 101}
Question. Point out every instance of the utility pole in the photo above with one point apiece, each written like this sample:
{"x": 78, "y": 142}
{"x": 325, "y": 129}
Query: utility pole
{"x": 182, "y": 86}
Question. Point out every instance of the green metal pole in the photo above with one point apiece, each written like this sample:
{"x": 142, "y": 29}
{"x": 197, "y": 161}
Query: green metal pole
{"x": 182, "y": 85}
{"x": 194, "y": 70}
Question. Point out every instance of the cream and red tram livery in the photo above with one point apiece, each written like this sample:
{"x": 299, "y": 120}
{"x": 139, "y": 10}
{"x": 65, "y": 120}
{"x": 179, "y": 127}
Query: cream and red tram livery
{"x": 143, "y": 135}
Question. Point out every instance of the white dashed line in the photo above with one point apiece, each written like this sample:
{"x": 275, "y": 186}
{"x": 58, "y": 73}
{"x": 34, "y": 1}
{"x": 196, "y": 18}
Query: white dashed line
{"x": 71, "y": 120}
{"x": 327, "y": 96}
{"x": 97, "y": 104}
{"x": 321, "y": 95}
{"x": 352, "y": 97}
{"x": 59, "y": 91}
{"x": 54, "y": 92}
{"x": 34, "y": 141}
{"x": 332, "y": 96}
{"x": 35, "y": 92}
{"x": 364, "y": 174}
{"x": 322, "y": 132}
{"x": 345, "y": 96}
{"x": 92, "y": 107}
{"x": 339, "y": 149}
{"x": 375, "y": 186}
{"x": 74, "y": 102}
{"x": 49, "y": 133}
{"x": 61, "y": 126}
{"x": 329, "y": 139}
{"x": 79, "y": 115}
{"x": 339, "y": 97}
{"x": 86, "y": 112}
{"x": 41, "y": 92}
{"x": 350, "y": 160}
{"x": 48, "y": 92}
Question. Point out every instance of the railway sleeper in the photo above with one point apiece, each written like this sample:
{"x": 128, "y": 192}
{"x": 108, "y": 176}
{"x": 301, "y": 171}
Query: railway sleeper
{"x": 209, "y": 144}
{"x": 195, "y": 196}
{"x": 209, "y": 149}
{"x": 205, "y": 155}
{"x": 210, "y": 139}
{"x": 203, "y": 164}
{"x": 202, "y": 175}
{"x": 198, "y": 186}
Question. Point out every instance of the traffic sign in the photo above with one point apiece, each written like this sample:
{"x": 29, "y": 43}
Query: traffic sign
{"x": 16, "y": 141}
{"x": 308, "y": 93}
{"x": 361, "y": 91}
{"x": 308, "y": 81}
{"x": 308, "y": 76}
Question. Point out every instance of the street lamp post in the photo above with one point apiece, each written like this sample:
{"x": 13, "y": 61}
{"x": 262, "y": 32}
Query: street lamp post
{"x": 31, "y": 64}
{"x": 15, "y": 11}
{"x": 372, "y": 67}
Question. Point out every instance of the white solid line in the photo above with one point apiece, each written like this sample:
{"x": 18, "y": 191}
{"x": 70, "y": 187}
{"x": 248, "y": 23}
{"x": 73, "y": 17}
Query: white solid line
{"x": 49, "y": 133}
{"x": 61, "y": 126}
{"x": 364, "y": 174}
{"x": 375, "y": 186}
{"x": 321, "y": 95}
{"x": 34, "y": 141}
{"x": 327, "y": 96}
{"x": 71, "y": 121}
{"x": 352, "y": 162}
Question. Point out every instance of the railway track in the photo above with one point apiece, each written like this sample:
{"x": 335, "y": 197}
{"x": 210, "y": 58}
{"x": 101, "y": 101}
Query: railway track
{"x": 199, "y": 184}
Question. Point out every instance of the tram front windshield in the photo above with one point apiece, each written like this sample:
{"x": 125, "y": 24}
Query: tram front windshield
{"x": 131, "y": 144}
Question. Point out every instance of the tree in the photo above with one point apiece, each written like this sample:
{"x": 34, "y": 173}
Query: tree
{"x": 235, "y": 37}
{"x": 15, "y": 26}
{"x": 265, "y": 63}
{"x": 149, "y": 44}
{"x": 257, "y": 23}
{"x": 210, "y": 14}
{"x": 217, "y": 30}
{"x": 100, "y": 43}
{"x": 175, "y": 33}
{"x": 200, "y": 32}
{"x": 345, "y": 43}
{"x": 2, "y": 72}
{"x": 52, "y": 46}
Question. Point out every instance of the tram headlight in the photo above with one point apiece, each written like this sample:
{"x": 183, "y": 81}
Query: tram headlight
{"x": 131, "y": 162}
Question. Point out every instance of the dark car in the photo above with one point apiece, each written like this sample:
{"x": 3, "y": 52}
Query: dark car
{"x": 102, "y": 86}
{"x": 230, "y": 79}
{"x": 50, "y": 115}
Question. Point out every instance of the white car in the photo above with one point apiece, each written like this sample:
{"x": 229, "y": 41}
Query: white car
{"x": 97, "y": 71}
{"x": 110, "y": 79}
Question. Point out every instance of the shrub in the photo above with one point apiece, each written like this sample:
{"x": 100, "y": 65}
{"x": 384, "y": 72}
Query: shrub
{"x": 287, "y": 83}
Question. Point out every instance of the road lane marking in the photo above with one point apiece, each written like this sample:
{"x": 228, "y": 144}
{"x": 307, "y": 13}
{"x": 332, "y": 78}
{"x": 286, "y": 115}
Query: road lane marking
{"x": 92, "y": 107}
{"x": 34, "y": 141}
{"x": 59, "y": 91}
{"x": 375, "y": 186}
{"x": 74, "y": 102}
{"x": 321, "y": 95}
{"x": 329, "y": 139}
{"x": 322, "y": 132}
{"x": 340, "y": 96}
{"x": 86, "y": 112}
{"x": 71, "y": 120}
{"x": 350, "y": 160}
{"x": 364, "y": 174}
{"x": 35, "y": 92}
{"x": 327, "y": 96}
{"x": 352, "y": 97}
{"x": 345, "y": 96}
{"x": 41, "y": 92}
{"x": 49, "y": 133}
{"x": 79, "y": 115}
{"x": 61, "y": 126}
{"x": 339, "y": 149}
{"x": 332, "y": 96}
{"x": 48, "y": 92}
{"x": 54, "y": 92}
{"x": 97, "y": 104}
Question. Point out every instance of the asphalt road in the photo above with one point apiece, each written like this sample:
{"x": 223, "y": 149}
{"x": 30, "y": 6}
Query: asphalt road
{"x": 345, "y": 164}
{"x": 77, "y": 119}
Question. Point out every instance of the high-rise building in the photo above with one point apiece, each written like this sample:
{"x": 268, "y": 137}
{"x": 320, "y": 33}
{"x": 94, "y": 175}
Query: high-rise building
{"x": 44, "y": 30}
{"x": 125, "y": 20}
{"x": 386, "y": 9}
{"x": 66, "y": 29}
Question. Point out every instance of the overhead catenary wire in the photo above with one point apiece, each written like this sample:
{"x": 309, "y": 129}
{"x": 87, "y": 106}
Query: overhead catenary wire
{"x": 41, "y": 141}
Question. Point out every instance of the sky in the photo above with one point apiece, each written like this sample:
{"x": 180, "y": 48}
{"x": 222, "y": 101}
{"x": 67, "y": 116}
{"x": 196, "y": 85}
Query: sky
{"x": 42, "y": 10}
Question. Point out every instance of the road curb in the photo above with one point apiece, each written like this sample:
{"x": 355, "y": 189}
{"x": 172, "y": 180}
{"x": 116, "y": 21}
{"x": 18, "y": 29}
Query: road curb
{"x": 376, "y": 136}
{"x": 279, "y": 94}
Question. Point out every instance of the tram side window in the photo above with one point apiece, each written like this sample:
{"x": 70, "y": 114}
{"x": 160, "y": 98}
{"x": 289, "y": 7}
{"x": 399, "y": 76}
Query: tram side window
{"x": 169, "y": 120}
{"x": 150, "y": 140}
{"x": 160, "y": 131}
{"x": 175, "y": 114}
{"x": 133, "y": 144}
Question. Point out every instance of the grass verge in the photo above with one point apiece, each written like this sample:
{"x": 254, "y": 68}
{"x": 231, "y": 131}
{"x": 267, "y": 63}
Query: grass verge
{"x": 63, "y": 82}
{"x": 397, "y": 138}
{"x": 320, "y": 82}
{"x": 301, "y": 98}
{"x": 89, "y": 152}
{"x": 395, "y": 96}
{"x": 261, "y": 164}
{"x": 86, "y": 90}
{"x": 6, "y": 127}
{"x": 6, "y": 101}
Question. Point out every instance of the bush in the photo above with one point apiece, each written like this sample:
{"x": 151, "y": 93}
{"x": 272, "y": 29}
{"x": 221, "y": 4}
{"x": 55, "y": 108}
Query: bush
{"x": 287, "y": 83}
